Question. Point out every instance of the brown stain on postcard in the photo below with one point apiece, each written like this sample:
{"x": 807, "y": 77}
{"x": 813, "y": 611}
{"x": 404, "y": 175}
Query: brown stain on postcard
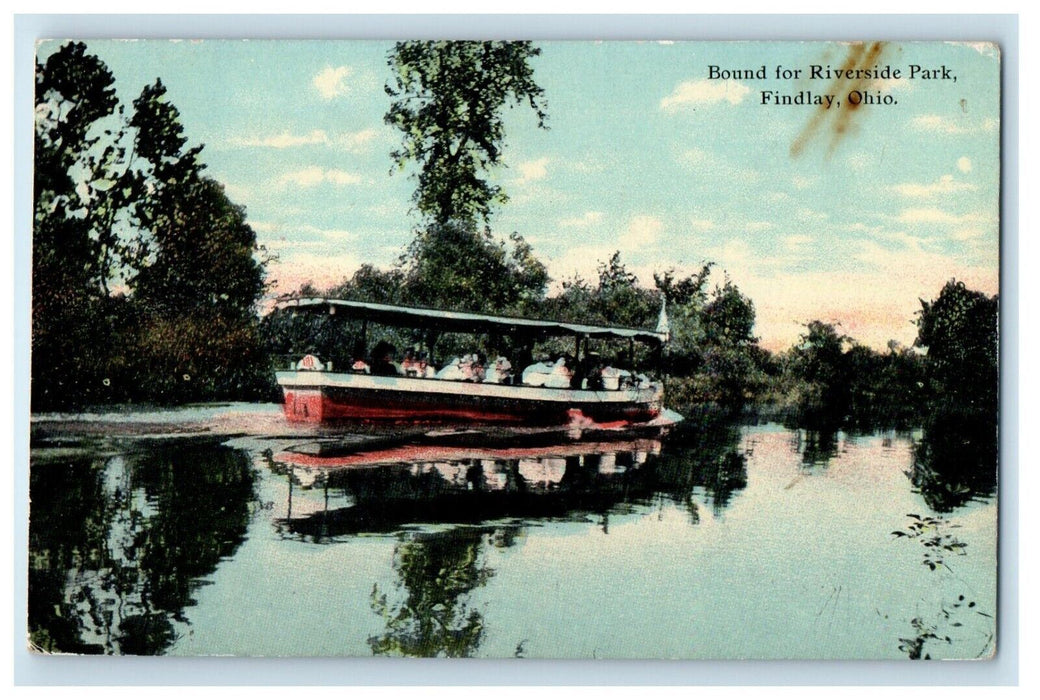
{"x": 858, "y": 56}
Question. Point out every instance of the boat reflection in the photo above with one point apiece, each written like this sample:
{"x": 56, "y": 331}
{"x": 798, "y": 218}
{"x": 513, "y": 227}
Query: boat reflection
{"x": 400, "y": 487}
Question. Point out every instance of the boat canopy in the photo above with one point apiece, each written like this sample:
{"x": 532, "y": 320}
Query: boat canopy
{"x": 462, "y": 321}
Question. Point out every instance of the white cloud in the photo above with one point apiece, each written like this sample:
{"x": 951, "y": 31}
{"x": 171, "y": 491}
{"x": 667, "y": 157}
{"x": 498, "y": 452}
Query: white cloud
{"x": 964, "y": 164}
{"x": 797, "y": 240}
{"x": 701, "y": 225}
{"x": 801, "y": 182}
{"x": 642, "y": 232}
{"x": 944, "y": 185}
{"x": 354, "y": 140}
{"x": 282, "y": 140}
{"x": 349, "y": 141}
{"x": 532, "y": 170}
{"x": 702, "y": 160}
{"x": 589, "y": 218}
{"x": 938, "y": 124}
{"x": 331, "y": 82}
{"x": 704, "y": 92}
{"x": 314, "y": 175}
{"x": 932, "y": 215}
{"x": 806, "y": 214}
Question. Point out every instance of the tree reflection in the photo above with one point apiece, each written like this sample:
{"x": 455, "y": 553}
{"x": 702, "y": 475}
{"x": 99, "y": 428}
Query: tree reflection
{"x": 119, "y": 545}
{"x": 819, "y": 446}
{"x": 430, "y": 613}
{"x": 956, "y": 459}
{"x": 707, "y": 456}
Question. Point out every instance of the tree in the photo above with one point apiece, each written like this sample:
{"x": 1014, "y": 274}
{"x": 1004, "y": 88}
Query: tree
{"x": 454, "y": 266}
{"x": 958, "y": 454}
{"x": 960, "y": 331}
{"x": 197, "y": 282}
{"x": 79, "y": 190}
{"x": 819, "y": 364}
{"x": 728, "y": 353}
{"x": 448, "y": 98}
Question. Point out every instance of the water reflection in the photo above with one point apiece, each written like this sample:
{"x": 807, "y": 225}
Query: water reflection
{"x": 120, "y": 543}
{"x": 395, "y": 488}
{"x": 428, "y": 612}
{"x": 956, "y": 459}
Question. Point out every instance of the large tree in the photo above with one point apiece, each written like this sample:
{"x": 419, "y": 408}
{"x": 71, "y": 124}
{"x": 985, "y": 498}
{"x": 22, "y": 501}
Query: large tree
{"x": 79, "y": 189}
{"x": 448, "y": 103}
{"x": 198, "y": 281}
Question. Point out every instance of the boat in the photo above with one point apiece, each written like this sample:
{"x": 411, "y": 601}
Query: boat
{"x": 317, "y": 392}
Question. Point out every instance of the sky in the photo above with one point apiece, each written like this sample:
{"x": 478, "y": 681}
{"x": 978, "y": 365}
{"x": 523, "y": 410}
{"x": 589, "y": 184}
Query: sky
{"x": 847, "y": 215}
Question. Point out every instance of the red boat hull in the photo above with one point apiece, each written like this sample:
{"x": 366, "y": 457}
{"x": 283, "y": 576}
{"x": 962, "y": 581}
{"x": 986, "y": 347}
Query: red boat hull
{"x": 436, "y": 401}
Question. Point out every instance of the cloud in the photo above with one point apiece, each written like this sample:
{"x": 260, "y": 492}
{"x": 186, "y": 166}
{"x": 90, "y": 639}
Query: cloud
{"x": 642, "y": 231}
{"x": 944, "y": 185}
{"x": 349, "y": 141}
{"x": 705, "y": 161}
{"x": 964, "y": 164}
{"x": 937, "y": 124}
{"x": 322, "y": 269}
{"x": 701, "y": 225}
{"x": 532, "y": 170}
{"x": 282, "y": 140}
{"x": 276, "y": 233}
{"x": 331, "y": 82}
{"x": 806, "y": 214}
{"x": 589, "y": 218}
{"x": 314, "y": 176}
{"x": 704, "y": 92}
{"x": 932, "y": 215}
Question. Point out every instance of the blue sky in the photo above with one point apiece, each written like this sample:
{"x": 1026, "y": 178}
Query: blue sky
{"x": 644, "y": 155}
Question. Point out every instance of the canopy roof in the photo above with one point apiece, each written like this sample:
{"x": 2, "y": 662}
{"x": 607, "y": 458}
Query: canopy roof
{"x": 463, "y": 322}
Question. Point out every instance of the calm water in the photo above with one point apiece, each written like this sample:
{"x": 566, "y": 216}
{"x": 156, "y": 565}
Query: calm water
{"x": 739, "y": 542}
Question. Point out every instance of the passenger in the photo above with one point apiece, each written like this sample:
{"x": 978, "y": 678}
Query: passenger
{"x": 536, "y": 374}
{"x": 383, "y": 360}
{"x": 360, "y": 367}
{"x": 501, "y": 372}
{"x": 473, "y": 368}
{"x": 593, "y": 372}
{"x": 423, "y": 367}
{"x": 452, "y": 371}
{"x": 409, "y": 365}
{"x": 561, "y": 375}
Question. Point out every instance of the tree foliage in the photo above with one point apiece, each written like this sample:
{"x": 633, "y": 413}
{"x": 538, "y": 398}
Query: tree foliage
{"x": 124, "y": 205}
{"x": 448, "y": 102}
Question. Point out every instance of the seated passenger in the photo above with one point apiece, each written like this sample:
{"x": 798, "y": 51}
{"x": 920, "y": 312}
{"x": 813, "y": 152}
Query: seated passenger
{"x": 409, "y": 365}
{"x": 501, "y": 372}
{"x": 537, "y": 373}
{"x": 383, "y": 360}
{"x": 561, "y": 375}
{"x": 452, "y": 371}
{"x": 593, "y": 372}
{"x": 423, "y": 368}
{"x": 614, "y": 378}
{"x": 473, "y": 368}
{"x": 360, "y": 367}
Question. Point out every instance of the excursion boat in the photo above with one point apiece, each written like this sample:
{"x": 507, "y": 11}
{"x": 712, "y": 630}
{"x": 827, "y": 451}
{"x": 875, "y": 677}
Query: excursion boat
{"x": 317, "y": 392}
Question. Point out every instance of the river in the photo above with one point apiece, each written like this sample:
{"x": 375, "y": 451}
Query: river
{"x": 716, "y": 542}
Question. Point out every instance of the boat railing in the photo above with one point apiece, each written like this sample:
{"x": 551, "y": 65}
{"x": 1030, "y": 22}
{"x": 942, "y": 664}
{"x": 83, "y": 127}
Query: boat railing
{"x": 620, "y": 381}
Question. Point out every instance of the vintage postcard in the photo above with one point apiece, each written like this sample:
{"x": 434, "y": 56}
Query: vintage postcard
{"x": 655, "y": 350}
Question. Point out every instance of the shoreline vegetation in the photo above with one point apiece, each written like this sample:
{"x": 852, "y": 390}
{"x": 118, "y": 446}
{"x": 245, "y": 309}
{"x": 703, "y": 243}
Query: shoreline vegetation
{"x": 147, "y": 277}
